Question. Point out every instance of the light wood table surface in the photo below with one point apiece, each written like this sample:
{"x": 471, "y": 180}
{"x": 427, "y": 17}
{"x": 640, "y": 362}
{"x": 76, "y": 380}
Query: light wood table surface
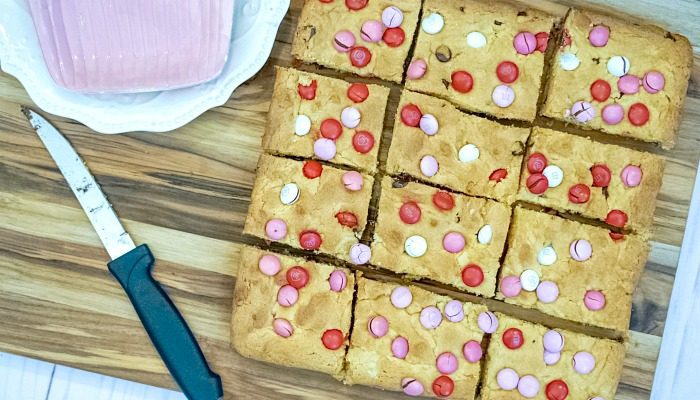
{"x": 186, "y": 193}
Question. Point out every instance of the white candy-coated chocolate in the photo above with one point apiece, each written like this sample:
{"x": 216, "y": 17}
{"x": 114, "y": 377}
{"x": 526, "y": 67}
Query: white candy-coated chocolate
{"x": 476, "y": 40}
{"x": 290, "y": 193}
{"x": 547, "y": 256}
{"x": 468, "y": 153}
{"x": 415, "y": 246}
{"x": 302, "y": 125}
{"x": 554, "y": 175}
{"x": 350, "y": 117}
{"x": 433, "y": 23}
{"x": 529, "y": 280}
{"x": 485, "y": 234}
{"x": 569, "y": 61}
{"x": 619, "y": 66}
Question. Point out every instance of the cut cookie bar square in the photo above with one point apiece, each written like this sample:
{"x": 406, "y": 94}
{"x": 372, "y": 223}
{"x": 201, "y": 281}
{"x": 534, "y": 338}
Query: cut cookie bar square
{"x": 486, "y": 57}
{"x": 622, "y": 78}
{"x": 408, "y": 339}
{"x": 430, "y": 233}
{"x": 436, "y": 143}
{"x": 368, "y": 38}
{"x": 275, "y": 311}
{"x": 571, "y": 270}
{"x": 527, "y": 360}
{"x": 313, "y": 116}
{"x": 600, "y": 181}
{"x": 310, "y": 206}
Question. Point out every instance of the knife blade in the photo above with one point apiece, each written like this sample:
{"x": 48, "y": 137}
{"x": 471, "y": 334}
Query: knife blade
{"x": 132, "y": 265}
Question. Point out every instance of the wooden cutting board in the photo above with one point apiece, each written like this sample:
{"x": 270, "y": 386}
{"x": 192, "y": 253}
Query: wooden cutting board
{"x": 186, "y": 194}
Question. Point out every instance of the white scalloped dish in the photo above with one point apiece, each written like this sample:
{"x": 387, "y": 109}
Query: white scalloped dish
{"x": 254, "y": 29}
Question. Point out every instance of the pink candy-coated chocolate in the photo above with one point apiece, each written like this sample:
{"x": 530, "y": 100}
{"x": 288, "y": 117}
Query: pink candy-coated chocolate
{"x": 343, "y": 41}
{"x": 287, "y": 296}
{"x": 583, "y": 362}
{"x": 599, "y": 35}
{"x": 337, "y": 280}
{"x": 525, "y": 43}
{"x": 551, "y": 358}
{"x": 507, "y": 379}
{"x": 454, "y": 311}
{"x": 401, "y": 297}
{"x": 582, "y": 111}
{"x": 453, "y": 242}
{"x": 631, "y": 176}
{"x": 377, "y": 326}
{"x": 503, "y": 96}
{"x": 429, "y": 166}
{"x": 594, "y": 300}
{"x": 446, "y": 363}
{"x": 488, "y": 322}
{"x": 360, "y": 253}
{"x": 282, "y": 327}
{"x": 613, "y": 114}
{"x": 416, "y": 69}
{"x": 472, "y": 351}
{"x": 353, "y": 181}
{"x": 276, "y": 229}
{"x": 324, "y": 148}
{"x": 528, "y": 386}
{"x": 429, "y": 124}
{"x": 371, "y": 31}
{"x": 269, "y": 264}
{"x": 653, "y": 82}
{"x": 392, "y": 17}
{"x": 510, "y": 286}
{"x": 430, "y": 317}
{"x": 399, "y": 347}
{"x": 547, "y": 292}
{"x": 580, "y": 250}
{"x": 412, "y": 387}
{"x": 553, "y": 341}
{"x": 628, "y": 84}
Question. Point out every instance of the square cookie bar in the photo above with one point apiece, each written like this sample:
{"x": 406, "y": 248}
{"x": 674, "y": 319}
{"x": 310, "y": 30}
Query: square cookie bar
{"x": 526, "y": 360}
{"x": 483, "y": 56}
{"x": 600, "y": 181}
{"x": 622, "y": 78}
{"x": 368, "y": 38}
{"x": 571, "y": 270}
{"x": 312, "y": 116}
{"x": 275, "y": 311}
{"x": 430, "y": 233}
{"x": 310, "y": 206}
{"x": 411, "y": 340}
{"x": 436, "y": 143}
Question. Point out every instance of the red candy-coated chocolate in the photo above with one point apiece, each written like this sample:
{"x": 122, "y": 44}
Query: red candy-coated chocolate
{"x": 312, "y": 169}
{"x": 310, "y": 240}
{"x": 507, "y": 72}
{"x": 409, "y": 212}
{"x": 333, "y": 339}
{"x": 297, "y": 277}
{"x": 616, "y": 218}
{"x": 363, "y": 142}
{"x": 307, "y": 92}
{"x": 557, "y": 390}
{"x": 542, "y": 41}
{"x": 537, "y": 183}
{"x": 462, "y": 81}
{"x": 498, "y": 175}
{"x": 346, "y": 218}
{"x": 331, "y": 129}
{"x": 600, "y": 90}
{"x": 472, "y": 275}
{"x": 536, "y": 163}
{"x": 358, "y": 92}
{"x": 411, "y": 115}
{"x": 360, "y": 56}
{"x": 616, "y": 236}
{"x": 638, "y": 114}
{"x": 601, "y": 175}
{"x": 443, "y": 200}
{"x": 326, "y": 1}
{"x": 443, "y": 386}
{"x": 394, "y": 37}
{"x": 356, "y": 4}
{"x": 513, "y": 338}
{"x": 579, "y": 193}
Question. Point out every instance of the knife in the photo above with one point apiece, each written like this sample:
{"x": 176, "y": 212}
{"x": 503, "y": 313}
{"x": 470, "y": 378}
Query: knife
{"x": 131, "y": 265}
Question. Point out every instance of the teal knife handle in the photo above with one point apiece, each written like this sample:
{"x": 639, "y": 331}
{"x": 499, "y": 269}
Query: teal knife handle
{"x": 169, "y": 332}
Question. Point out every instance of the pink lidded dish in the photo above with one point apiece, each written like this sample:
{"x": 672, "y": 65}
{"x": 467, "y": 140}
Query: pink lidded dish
{"x": 133, "y": 45}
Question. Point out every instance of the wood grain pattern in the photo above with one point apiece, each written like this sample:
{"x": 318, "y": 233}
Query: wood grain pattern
{"x": 186, "y": 194}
